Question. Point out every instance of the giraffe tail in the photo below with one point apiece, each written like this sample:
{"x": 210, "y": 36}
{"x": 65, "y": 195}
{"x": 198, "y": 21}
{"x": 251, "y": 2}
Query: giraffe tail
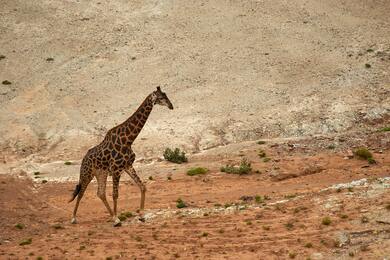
{"x": 75, "y": 192}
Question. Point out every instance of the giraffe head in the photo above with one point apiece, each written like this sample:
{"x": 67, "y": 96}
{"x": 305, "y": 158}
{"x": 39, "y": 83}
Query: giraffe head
{"x": 161, "y": 98}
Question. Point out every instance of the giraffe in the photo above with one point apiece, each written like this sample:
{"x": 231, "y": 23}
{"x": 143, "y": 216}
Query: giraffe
{"x": 114, "y": 155}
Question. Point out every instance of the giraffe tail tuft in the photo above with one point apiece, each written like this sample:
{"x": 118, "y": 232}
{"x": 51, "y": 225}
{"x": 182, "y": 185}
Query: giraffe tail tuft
{"x": 75, "y": 192}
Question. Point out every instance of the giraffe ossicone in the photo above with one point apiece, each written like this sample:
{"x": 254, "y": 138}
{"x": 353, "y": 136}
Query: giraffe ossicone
{"x": 114, "y": 155}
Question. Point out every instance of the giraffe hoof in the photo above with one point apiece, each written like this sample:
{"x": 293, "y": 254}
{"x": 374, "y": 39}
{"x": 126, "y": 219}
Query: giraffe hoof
{"x": 73, "y": 221}
{"x": 117, "y": 223}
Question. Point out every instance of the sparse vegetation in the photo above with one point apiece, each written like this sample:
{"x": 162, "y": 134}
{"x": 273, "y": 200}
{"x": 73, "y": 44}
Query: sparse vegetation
{"x": 243, "y": 168}
{"x": 308, "y": 245}
{"x": 196, "y": 171}
{"x": 367, "y": 65}
{"x": 151, "y": 178}
{"x": 37, "y": 173}
{"x": 331, "y": 147}
{"x": 169, "y": 178}
{"x": 364, "y": 219}
{"x": 25, "y": 242}
{"x": 175, "y": 156}
{"x": 259, "y": 199}
{"x": 388, "y": 206}
{"x": 205, "y": 234}
{"x": 344, "y": 216}
{"x": 289, "y": 225}
{"x": 266, "y": 228}
{"x": 385, "y": 129}
{"x": 364, "y": 154}
{"x": 68, "y": 163}
{"x": 266, "y": 159}
{"x": 261, "y": 153}
{"x": 292, "y": 255}
{"x": 19, "y": 226}
{"x": 326, "y": 221}
{"x": 260, "y": 142}
{"x": 180, "y": 203}
{"x": 125, "y": 215}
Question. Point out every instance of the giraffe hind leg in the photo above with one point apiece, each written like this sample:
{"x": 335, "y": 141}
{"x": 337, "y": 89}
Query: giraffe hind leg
{"x": 101, "y": 177}
{"x": 84, "y": 181}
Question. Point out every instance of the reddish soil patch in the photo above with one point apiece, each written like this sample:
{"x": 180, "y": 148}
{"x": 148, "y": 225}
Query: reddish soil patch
{"x": 263, "y": 230}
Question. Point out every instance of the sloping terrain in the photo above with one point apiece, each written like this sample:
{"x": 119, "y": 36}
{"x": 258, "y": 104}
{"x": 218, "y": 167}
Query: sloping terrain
{"x": 234, "y": 70}
{"x": 311, "y": 200}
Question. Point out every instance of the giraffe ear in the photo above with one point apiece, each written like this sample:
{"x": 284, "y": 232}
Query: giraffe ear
{"x": 158, "y": 88}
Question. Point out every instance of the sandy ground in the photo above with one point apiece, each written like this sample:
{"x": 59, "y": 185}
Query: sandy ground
{"x": 305, "y": 182}
{"x": 309, "y": 77}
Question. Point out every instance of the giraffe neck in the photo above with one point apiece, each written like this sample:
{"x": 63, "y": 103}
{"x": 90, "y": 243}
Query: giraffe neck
{"x": 136, "y": 121}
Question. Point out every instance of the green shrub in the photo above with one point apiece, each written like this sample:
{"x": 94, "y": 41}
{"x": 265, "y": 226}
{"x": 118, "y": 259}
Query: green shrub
{"x": 261, "y": 153}
{"x": 258, "y": 199}
{"x": 180, "y": 204}
{"x": 196, "y": 171}
{"x": 243, "y": 168}
{"x": 260, "y": 142}
{"x": 363, "y": 153}
{"x": 266, "y": 159}
{"x": 385, "y": 129}
{"x": 326, "y": 221}
{"x": 25, "y": 242}
{"x": 67, "y": 163}
{"x": 124, "y": 215}
{"x": 19, "y": 226}
{"x": 175, "y": 156}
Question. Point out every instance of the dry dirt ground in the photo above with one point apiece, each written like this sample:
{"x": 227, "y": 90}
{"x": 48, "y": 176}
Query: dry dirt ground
{"x": 309, "y": 77}
{"x": 305, "y": 181}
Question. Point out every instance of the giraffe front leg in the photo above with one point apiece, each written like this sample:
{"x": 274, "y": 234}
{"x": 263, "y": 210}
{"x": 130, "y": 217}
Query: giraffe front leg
{"x": 115, "y": 194}
{"x": 140, "y": 184}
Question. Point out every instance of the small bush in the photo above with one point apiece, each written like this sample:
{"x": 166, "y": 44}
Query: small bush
{"x": 326, "y": 221}
{"x": 260, "y": 142}
{"x": 68, "y": 163}
{"x": 371, "y": 160}
{"x": 309, "y": 245}
{"x": 37, "y": 173}
{"x": 196, "y": 171}
{"x": 258, "y": 199}
{"x": 243, "y": 168}
{"x": 175, "y": 156}
{"x": 25, "y": 242}
{"x": 367, "y": 65}
{"x": 266, "y": 159}
{"x": 363, "y": 153}
{"x": 180, "y": 204}
{"x": 19, "y": 226}
{"x": 289, "y": 225}
{"x": 169, "y": 178}
{"x": 150, "y": 178}
{"x": 385, "y": 129}
{"x": 261, "y": 153}
{"x": 292, "y": 255}
{"x": 125, "y": 215}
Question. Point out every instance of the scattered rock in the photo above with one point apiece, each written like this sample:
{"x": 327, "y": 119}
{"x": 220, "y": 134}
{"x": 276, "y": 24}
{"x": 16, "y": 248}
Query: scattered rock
{"x": 342, "y": 239}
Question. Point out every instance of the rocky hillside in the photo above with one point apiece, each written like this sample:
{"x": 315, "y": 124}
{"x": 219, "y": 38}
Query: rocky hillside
{"x": 234, "y": 70}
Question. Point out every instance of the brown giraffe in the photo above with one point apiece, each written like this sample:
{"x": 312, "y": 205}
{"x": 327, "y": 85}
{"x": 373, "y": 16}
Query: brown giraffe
{"x": 114, "y": 155}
